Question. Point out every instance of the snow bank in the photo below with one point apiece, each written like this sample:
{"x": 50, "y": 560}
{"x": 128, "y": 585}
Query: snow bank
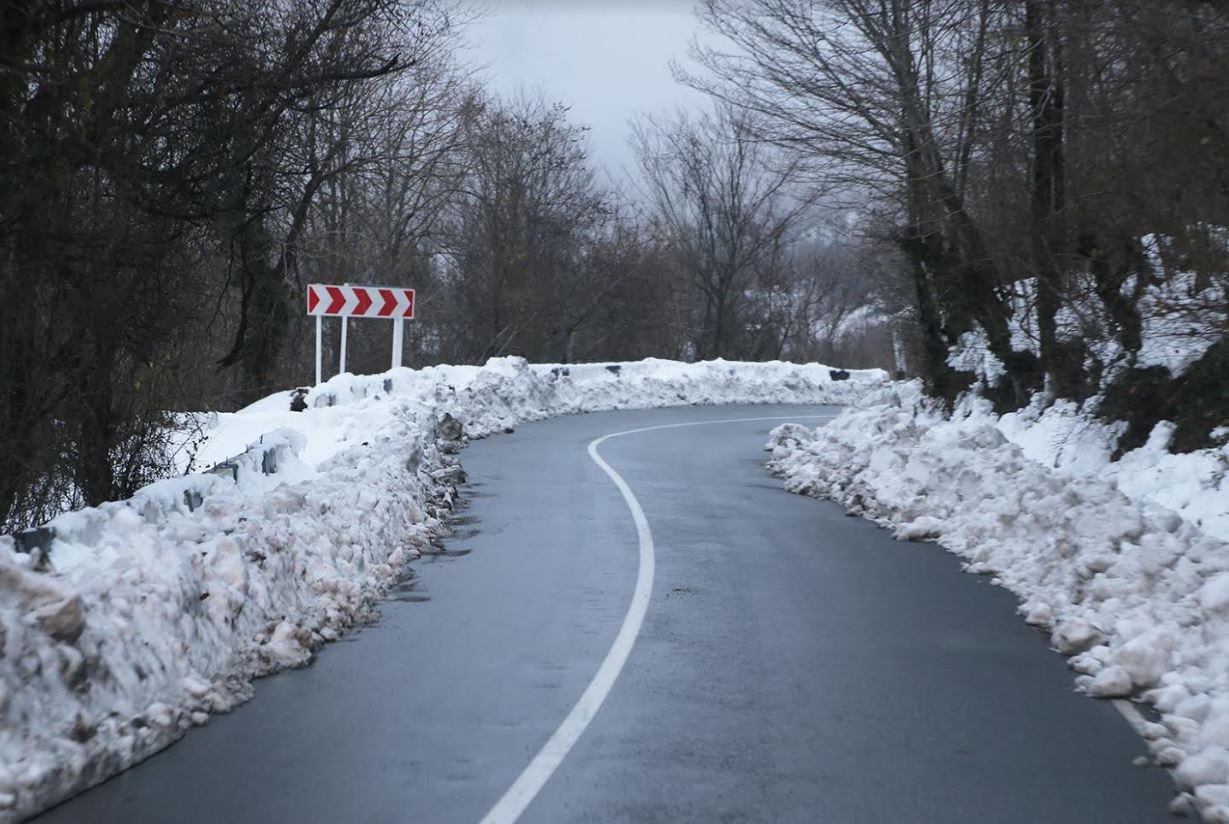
{"x": 1126, "y": 562}
{"x": 145, "y": 616}
{"x": 1073, "y": 443}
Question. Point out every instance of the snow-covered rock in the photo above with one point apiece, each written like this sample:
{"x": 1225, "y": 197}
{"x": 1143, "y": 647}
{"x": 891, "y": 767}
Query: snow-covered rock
{"x": 148, "y": 615}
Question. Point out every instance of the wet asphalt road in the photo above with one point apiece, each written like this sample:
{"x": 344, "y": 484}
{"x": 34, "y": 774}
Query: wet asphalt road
{"x": 795, "y": 665}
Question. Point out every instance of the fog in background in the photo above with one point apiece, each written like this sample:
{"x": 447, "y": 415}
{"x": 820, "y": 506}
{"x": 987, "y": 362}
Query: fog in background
{"x": 606, "y": 59}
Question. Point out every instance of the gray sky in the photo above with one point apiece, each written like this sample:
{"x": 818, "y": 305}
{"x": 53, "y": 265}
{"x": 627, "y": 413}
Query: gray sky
{"x": 607, "y": 59}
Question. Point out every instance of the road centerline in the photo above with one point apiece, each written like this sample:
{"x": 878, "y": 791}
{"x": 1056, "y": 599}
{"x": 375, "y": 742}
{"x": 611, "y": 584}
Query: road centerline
{"x": 509, "y": 808}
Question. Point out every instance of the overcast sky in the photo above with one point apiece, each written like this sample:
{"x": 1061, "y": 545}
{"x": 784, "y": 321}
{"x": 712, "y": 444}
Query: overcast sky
{"x": 607, "y": 59}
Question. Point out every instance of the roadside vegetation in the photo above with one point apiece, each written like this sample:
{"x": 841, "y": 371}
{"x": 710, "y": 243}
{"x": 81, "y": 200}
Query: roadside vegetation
{"x": 1017, "y": 196}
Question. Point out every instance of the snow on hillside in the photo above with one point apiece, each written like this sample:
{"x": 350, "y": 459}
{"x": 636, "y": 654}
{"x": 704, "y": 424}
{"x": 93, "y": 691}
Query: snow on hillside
{"x": 1181, "y": 316}
{"x": 1125, "y": 562}
{"x": 148, "y": 615}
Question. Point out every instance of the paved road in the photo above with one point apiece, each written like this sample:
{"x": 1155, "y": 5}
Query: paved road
{"x": 794, "y": 665}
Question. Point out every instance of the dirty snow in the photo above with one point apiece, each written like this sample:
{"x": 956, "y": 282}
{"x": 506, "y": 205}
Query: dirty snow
{"x": 1126, "y": 562}
{"x": 149, "y": 615}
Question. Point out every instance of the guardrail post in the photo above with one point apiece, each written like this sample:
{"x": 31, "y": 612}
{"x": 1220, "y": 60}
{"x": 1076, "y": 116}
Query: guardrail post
{"x": 37, "y": 539}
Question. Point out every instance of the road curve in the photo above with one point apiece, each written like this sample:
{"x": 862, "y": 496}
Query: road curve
{"x": 793, "y": 665}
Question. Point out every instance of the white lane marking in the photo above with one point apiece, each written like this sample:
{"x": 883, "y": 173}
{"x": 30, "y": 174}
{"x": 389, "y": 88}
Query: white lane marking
{"x": 1134, "y": 717}
{"x": 530, "y": 782}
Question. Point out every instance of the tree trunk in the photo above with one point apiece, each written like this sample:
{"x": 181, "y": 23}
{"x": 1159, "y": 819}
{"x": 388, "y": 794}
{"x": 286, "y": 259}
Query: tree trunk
{"x": 96, "y": 429}
{"x": 1046, "y": 104}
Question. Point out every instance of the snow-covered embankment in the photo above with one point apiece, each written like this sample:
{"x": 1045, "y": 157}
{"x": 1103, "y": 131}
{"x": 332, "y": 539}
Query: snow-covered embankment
{"x": 1125, "y": 562}
{"x": 146, "y": 616}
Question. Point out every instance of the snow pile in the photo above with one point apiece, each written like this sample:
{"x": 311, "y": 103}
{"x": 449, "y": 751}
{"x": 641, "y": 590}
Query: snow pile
{"x": 1134, "y": 591}
{"x": 145, "y": 616}
{"x": 1067, "y": 439}
{"x": 158, "y": 611}
{"x": 508, "y": 391}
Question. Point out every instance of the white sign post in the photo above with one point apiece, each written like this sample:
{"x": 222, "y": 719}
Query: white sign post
{"x": 319, "y": 321}
{"x": 346, "y": 301}
{"x": 341, "y": 359}
{"x": 398, "y": 340}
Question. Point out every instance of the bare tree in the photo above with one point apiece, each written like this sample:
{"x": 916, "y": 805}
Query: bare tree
{"x": 1020, "y": 149}
{"x": 528, "y": 209}
{"x": 885, "y": 97}
{"x": 379, "y": 218}
{"x": 726, "y": 205}
{"x": 145, "y": 143}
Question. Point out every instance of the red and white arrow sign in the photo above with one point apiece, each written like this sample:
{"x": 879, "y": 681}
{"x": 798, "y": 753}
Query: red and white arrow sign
{"x": 360, "y": 301}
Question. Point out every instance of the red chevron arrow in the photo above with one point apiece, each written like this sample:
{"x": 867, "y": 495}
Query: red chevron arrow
{"x": 312, "y": 299}
{"x": 364, "y": 300}
{"x": 390, "y": 302}
{"x": 339, "y": 300}
{"x": 409, "y": 305}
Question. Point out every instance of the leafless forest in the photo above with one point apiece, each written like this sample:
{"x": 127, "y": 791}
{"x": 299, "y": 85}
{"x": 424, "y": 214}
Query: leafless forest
{"x": 876, "y": 181}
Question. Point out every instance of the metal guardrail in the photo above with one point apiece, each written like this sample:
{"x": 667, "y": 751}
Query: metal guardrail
{"x": 32, "y": 540}
{"x": 40, "y": 538}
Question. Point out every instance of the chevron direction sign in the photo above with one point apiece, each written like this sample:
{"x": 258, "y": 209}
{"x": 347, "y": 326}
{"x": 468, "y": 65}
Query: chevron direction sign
{"x": 346, "y": 301}
{"x": 360, "y": 301}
